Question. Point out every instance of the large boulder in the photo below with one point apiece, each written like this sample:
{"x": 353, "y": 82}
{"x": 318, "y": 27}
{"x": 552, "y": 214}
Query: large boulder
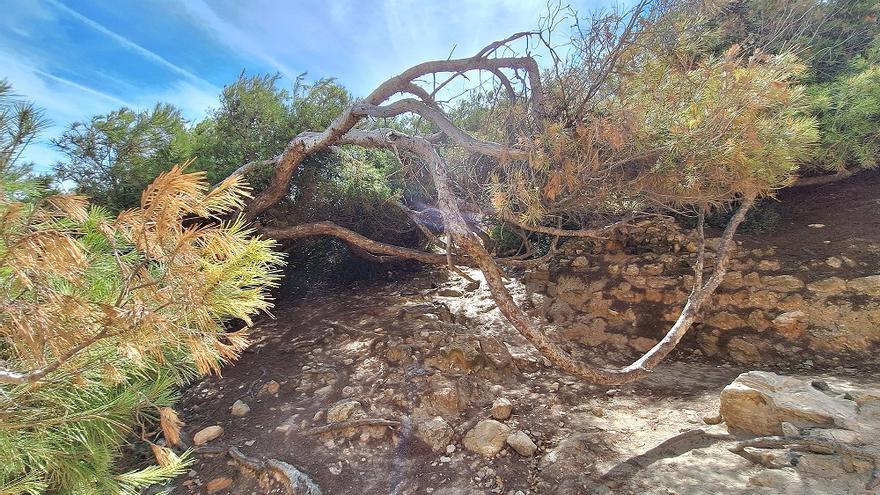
{"x": 758, "y": 402}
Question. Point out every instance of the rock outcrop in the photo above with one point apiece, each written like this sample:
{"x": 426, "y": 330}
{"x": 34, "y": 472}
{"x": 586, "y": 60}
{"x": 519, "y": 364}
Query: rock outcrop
{"x": 759, "y": 403}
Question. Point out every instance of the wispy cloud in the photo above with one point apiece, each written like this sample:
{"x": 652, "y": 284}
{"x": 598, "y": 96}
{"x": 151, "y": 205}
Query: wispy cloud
{"x": 362, "y": 43}
{"x": 234, "y": 37}
{"x": 128, "y": 44}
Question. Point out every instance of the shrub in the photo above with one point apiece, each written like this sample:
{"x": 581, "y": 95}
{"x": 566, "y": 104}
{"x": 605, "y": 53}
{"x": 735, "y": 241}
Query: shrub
{"x": 103, "y": 318}
{"x": 848, "y": 110}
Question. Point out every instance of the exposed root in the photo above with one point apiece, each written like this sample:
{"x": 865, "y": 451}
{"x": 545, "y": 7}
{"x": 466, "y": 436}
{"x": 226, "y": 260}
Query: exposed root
{"x": 807, "y": 444}
{"x": 354, "y": 423}
{"x": 270, "y": 470}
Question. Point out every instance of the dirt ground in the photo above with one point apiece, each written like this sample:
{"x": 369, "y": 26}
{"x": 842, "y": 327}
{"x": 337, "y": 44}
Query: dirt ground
{"x": 423, "y": 346}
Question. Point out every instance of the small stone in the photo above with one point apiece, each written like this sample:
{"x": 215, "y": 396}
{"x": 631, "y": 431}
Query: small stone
{"x": 445, "y": 459}
{"x": 205, "y": 435}
{"x": 501, "y": 408}
{"x": 612, "y": 392}
{"x": 250, "y": 443}
{"x": 522, "y": 444}
{"x": 217, "y": 484}
{"x": 554, "y": 387}
{"x": 598, "y": 412}
{"x": 834, "y": 262}
{"x": 239, "y": 408}
{"x": 713, "y": 419}
{"x": 580, "y": 262}
{"x": 269, "y": 388}
{"x": 450, "y": 449}
{"x": 816, "y": 225}
{"x": 335, "y": 469}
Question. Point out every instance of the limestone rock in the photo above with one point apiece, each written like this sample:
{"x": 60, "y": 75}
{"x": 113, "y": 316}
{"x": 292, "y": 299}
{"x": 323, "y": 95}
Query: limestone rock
{"x": 631, "y": 270}
{"x": 865, "y": 285}
{"x": 521, "y": 443}
{"x": 768, "y": 265}
{"x": 743, "y": 351}
{"x": 205, "y": 435}
{"x": 486, "y": 438}
{"x": 435, "y": 432}
{"x": 343, "y": 410}
{"x": 758, "y": 402}
{"x": 725, "y": 321}
{"x": 829, "y": 285}
{"x": 239, "y": 408}
{"x": 791, "y": 324}
{"x": 783, "y": 283}
{"x": 501, "y": 408}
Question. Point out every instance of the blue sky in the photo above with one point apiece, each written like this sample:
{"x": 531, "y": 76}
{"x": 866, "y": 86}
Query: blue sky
{"x": 79, "y": 58}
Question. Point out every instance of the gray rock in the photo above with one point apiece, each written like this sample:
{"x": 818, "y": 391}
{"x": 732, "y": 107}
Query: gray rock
{"x": 239, "y": 408}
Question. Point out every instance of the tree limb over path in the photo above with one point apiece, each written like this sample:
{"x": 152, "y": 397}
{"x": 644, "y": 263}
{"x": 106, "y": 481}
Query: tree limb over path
{"x": 346, "y": 129}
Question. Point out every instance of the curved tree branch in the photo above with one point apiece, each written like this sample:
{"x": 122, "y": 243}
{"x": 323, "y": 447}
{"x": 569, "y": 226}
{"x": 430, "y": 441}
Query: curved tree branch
{"x": 437, "y": 117}
{"x": 309, "y": 142}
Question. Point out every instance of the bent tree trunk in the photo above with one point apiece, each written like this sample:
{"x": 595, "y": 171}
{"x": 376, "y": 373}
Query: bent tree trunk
{"x": 342, "y": 131}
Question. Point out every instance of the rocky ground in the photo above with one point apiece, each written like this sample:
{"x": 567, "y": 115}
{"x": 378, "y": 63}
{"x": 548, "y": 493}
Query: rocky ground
{"x": 418, "y": 386}
{"x": 445, "y": 408}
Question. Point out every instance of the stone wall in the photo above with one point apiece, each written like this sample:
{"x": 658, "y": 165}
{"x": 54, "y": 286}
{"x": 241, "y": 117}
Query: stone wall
{"x": 776, "y": 304}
